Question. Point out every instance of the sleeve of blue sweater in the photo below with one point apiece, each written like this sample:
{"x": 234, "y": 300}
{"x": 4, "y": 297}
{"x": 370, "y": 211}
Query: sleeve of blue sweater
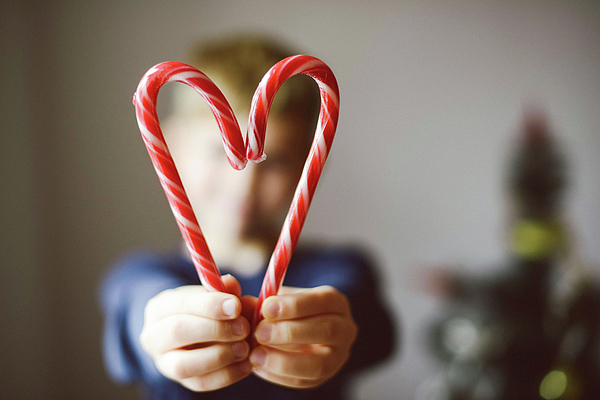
{"x": 124, "y": 293}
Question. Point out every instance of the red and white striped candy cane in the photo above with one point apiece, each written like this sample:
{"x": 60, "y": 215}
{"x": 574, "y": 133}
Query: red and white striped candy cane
{"x": 313, "y": 167}
{"x": 144, "y": 101}
{"x": 238, "y": 153}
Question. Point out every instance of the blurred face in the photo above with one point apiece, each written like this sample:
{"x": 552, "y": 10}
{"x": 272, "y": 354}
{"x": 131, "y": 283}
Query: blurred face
{"x": 238, "y": 209}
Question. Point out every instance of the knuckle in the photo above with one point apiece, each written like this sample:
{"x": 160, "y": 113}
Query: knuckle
{"x": 176, "y": 330}
{"x": 287, "y": 333}
{"x": 144, "y": 339}
{"x": 299, "y": 383}
{"x": 223, "y": 357}
{"x": 333, "y": 296}
{"x": 281, "y": 332}
{"x": 197, "y": 384}
{"x": 328, "y": 365}
{"x": 149, "y": 308}
{"x": 341, "y": 301}
{"x": 161, "y": 296}
{"x": 222, "y": 330}
{"x": 211, "y": 381}
{"x": 329, "y": 330}
{"x": 327, "y": 288}
{"x": 289, "y": 306}
{"x": 345, "y": 302}
{"x": 319, "y": 369}
{"x": 326, "y": 368}
{"x": 180, "y": 370}
{"x": 213, "y": 330}
{"x": 186, "y": 303}
{"x": 327, "y": 292}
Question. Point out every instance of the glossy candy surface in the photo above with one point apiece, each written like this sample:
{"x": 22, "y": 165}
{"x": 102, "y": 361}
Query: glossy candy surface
{"x": 238, "y": 152}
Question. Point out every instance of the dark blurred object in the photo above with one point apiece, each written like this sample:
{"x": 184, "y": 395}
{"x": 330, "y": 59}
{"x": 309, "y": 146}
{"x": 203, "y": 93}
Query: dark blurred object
{"x": 538, "y": 174}
{"x": 532, "y": 332}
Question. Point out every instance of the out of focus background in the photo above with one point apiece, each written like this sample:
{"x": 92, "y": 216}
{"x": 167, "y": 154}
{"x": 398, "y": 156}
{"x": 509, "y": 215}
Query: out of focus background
{"x": 432, "y": 97}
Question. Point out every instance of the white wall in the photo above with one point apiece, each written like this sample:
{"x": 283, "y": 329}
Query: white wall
{"x": 431, "y": 93}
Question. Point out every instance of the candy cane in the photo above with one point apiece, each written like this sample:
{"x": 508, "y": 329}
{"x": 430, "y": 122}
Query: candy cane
{"x": 315, "y": 162}
{"x": 144, "y": 101}
{"x": 238, "y": 154}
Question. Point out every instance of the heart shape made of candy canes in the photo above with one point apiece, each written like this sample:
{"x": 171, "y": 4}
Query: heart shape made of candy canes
{"x": 238, "y": 152}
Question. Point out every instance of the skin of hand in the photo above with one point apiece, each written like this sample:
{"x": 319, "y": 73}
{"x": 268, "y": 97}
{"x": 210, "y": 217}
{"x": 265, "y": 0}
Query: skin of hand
{"x": 305, "y": 337}
{"x": 197, "y": 338}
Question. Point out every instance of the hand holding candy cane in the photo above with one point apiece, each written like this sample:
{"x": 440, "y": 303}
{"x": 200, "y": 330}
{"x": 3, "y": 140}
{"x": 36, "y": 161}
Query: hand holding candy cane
{"x": 198, "y": 338}
{"x": 308, "y": 355}
{"x": 305, "y": 338}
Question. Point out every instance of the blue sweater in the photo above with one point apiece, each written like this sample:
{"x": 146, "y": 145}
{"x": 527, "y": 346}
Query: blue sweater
{"x": 136, "y": 279}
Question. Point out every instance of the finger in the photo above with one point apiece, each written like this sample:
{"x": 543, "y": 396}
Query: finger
{"x": 290, "y": 290}
{"x": 183, "y": 364}
{"x": 291, "y": 382}
{"x": 218, "y": 379}
{"x": 182, "y": 330}
{"x": 232, "y": 285}
{"x": 331, "y": 330}
{"x": 193, "y": 300}
{"x": 317, "y": 365}
{"x": 248, "y": 306}
{"x": 304, "y": 303}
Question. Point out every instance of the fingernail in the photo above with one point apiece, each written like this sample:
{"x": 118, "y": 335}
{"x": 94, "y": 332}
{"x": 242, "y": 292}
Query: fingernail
{"x": 239, "y": 328}
{"x": 229, "y": 307}
{"x": 239, "y": 350}
{"x": 258, "y": 357}
{"x": 272, "y": 309}
{"x": 263, "y": 332}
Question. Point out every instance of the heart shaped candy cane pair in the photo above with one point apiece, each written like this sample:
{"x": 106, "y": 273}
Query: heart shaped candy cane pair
{"x": 238, "y": 153}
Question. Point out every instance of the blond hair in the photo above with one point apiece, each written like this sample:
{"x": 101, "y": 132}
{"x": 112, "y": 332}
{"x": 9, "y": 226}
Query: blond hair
{"x": 237, "y": 64}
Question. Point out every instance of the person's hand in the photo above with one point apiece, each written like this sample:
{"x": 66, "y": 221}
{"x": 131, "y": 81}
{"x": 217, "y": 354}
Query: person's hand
{"x": 305, "y": 338}
{"x": 197, "y": 337}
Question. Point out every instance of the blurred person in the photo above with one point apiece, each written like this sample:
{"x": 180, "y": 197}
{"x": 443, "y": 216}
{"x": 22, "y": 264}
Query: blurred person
{"x": 533, "y": 330}
{"x": 164, "y": 332}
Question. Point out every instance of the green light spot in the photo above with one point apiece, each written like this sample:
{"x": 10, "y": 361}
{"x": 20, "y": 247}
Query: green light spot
{"x": 553, "y": 385}
{"x": 533, "y": 239}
